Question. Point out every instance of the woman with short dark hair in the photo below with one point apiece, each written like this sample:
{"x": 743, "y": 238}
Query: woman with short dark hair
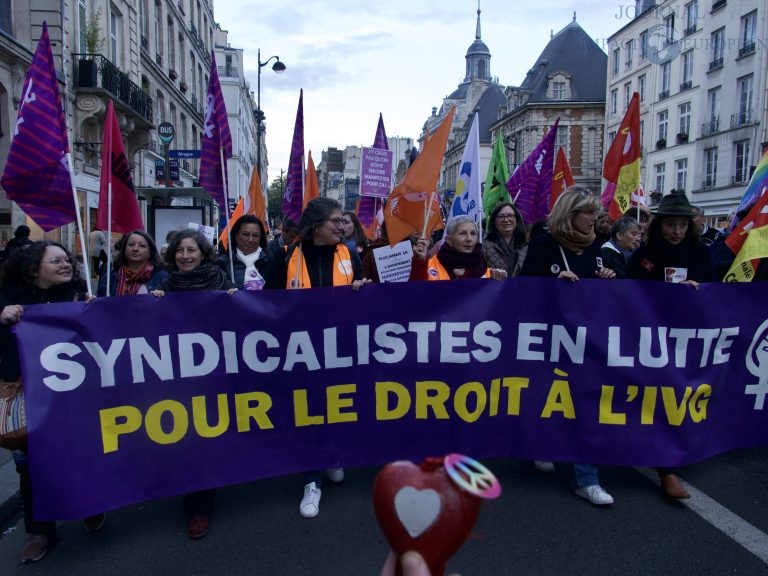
{"x": 249, "y": 259}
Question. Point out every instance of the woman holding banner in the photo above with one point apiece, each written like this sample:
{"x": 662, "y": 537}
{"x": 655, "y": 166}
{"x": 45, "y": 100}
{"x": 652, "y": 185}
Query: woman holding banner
{"x": 39, "y": 273}
{"x": 318, "y": 259}
{"x": 191, "y": 267}
{"x": 672, "y": 253}
{"x": 459, "y": 257}
{"x": 249, "y": 260}
{"x": 569, "y": 250}
{"x": 137, "y": 268}
{"x": 505, "y": 244}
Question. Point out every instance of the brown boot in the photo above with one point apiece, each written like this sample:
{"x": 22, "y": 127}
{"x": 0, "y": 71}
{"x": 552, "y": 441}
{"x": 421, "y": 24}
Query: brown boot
{"x": 35, "y": 548}
{"x": 672, "y": 488}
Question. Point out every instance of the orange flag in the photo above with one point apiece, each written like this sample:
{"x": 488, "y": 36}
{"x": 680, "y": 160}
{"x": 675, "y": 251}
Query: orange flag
{"x": 621, "y": 166}
{"x": 562, "y": 177}
{"x": 252, "y": 203}
{"x": 311, "y": 186}
{"x": 414, "y": 205}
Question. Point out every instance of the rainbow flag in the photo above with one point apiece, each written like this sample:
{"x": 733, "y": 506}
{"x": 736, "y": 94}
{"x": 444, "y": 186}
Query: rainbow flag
{"x": 757, "y": 185}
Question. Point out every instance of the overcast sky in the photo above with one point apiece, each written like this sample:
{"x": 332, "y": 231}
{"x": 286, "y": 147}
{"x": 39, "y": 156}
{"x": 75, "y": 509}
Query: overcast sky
{"x": 356, "y": 58}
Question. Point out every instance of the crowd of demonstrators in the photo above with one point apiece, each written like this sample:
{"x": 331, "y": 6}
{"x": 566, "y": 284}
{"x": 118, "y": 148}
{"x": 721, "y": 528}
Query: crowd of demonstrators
{"x": 459, "y": 257}
{"x": 97, "y": 248}
{"x": 191, "y": 267}
{"x": 603, "y": 226}
{"x": 353, "y": 233}
{"x": 625, "y": 239}
{"x": 250, "y": 260}
{"x": 41, "y": 272}
{"x": 506, "y": 241}
{"x": 137, "y": 267}
{"x": 20, "y": 240}
{"x": 282, "y": 237}
{"x": 707, "y": 234}
{"x": 318, "y": 258}
{"x": 569, "y": 250}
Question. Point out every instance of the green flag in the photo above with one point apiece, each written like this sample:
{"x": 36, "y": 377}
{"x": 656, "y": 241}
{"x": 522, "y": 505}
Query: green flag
{"x": 495, "y": 187}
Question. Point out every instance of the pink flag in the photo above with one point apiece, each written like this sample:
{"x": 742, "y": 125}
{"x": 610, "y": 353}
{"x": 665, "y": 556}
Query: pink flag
{"x": 216, "y": 137}
{"x": 126, "y": 215}
{"x": 293, "y": 197}
{"x": 369, "y": 205}
{"x": 531, "y": 184}
{"x": 36, "y": 174}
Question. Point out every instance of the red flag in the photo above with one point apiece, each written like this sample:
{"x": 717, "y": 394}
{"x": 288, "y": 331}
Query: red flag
{"x": 251, "y": 203}
{"x": 415, "y": 199}
{"x": 562, "y": 177}
{"x": 621, "y": 167}
{"x": 757, "y": 217}
{"x": 115, "y": 171}
{"x": 36, "y": 174}
{"x": 311, "y": 186}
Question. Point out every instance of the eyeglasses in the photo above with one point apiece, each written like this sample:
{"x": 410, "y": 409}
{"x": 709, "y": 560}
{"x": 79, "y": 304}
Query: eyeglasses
{"x": 506, "y": 217}
{"x": 60, "y": 261}
{"x": 336, "y": 221}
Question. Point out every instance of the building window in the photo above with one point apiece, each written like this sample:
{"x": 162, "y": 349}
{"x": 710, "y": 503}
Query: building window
{"x": 661, "y": 171}
{"x": 691, "y": 17}
{"x": 630, "y": 50}
{"x": 614, "y": 101}
{"x": 685, "y": 122}
{"x": 748, "y": 33}
{"x": 627, "y": 94}
{"x": 710, "y": 163}
{"x": 611, "y": 137}
{"x": 686, "y": 70}
{"x": 6, "y": 17}
{"x": 643, "y": 45}
{"x": 558, "y": 90}
{"x": 82, "y": 24}
{"x": 115, "y": 24}
{"x": 615, "y": 62}
{"x": 713, "y": 104}
{"x": 665, "y": 72}
{"x": 681, "y": 173}
{"x": 562, "y": 139}
{"x": 160, "y": 99}
{"x": 742, "y": 161}
{"x": 158, "y": 33}
{"x": 663, "y": 125}
{"x": 717, "y": 42}
{"x": 641, "y": 87}
{"x": 745, "y": 98}
{"x": 171, "y": 45}
{"x": 669, "y": 29}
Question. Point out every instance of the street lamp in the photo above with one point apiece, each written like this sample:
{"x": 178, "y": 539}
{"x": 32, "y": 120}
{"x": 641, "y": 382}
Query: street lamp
{"x": 277, "y": 67}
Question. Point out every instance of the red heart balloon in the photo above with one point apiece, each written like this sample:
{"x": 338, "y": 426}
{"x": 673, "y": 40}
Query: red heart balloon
{"x": 419, "y": 508}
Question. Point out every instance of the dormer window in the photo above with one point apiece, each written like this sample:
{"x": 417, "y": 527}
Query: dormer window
{"x": 558, "y": 90}
{"x": 559, "y": 87}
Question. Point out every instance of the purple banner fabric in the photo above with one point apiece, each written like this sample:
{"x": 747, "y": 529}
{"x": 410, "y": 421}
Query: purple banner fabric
{"x": 135, "y": 398}
{"x": 375, "y": 173}
{"x": 530, "y": 186}
{"x": 294, "y": 181}
{"x": 36, "y": 174}
{"x": 216, "y": 136}
{"x": 370, "y": 205}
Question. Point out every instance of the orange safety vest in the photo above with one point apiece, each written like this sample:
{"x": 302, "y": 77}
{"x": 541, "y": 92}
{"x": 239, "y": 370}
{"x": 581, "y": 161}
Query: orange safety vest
{"x": 298, "y": 277}
{"x": 436, "y": 271}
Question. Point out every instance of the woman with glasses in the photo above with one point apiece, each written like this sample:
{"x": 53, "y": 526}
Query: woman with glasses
{"x": 318, "y": 259}
{"x": 39, "y": 273}
{"x": 191, "y": 267}
{"x": 505, "y": 244}
{"x": 137, "y": 268}
{"x": 569, "y": 251}
{"x": 249, "y": 259}
{"x": 354, "y": 235}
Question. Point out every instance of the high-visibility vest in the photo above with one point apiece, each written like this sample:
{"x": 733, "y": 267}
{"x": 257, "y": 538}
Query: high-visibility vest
{"x": 298, "y": 277}
{"x": 436, "y": 271}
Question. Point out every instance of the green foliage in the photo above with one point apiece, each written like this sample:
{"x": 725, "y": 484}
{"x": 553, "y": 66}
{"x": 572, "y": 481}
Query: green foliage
{"x": 275, "y": 198}
{"x": 94, "y": 42}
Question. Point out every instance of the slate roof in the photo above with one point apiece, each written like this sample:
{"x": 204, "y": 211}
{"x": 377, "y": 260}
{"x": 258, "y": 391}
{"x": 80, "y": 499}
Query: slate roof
{"x": 573, "y": 52}
{"x": 487, "y": 107}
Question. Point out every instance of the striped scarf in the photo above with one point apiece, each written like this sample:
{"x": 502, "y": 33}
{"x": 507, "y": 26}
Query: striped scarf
{"x": 130, "y": 281}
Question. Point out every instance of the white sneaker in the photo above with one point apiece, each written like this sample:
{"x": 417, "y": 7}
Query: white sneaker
{"x": 310, "y": 503}
{"x": 544, "y": 465}
{"x": 595, "y": 494}
{"x": 335, "y": 474}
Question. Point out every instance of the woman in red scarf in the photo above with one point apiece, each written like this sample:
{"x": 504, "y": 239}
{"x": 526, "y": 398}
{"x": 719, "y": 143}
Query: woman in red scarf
{"x": 137, "y": 268}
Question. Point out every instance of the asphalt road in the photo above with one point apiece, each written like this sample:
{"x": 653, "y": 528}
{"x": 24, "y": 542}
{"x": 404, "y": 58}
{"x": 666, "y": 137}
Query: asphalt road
{"x": 536, "y": 527}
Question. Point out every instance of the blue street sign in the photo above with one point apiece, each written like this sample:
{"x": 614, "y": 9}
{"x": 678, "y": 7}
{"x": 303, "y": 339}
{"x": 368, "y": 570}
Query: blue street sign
{"x": 184, "y": 153}
{"x": 173, "y": 169}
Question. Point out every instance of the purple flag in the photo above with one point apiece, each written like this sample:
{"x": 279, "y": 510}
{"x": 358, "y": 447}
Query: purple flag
{"x": 36, "y": 173}
{"x": 294, "y": 182}
{"x": 531, "y": 184}
{"x": 216, "y": 136}
{"x": 369, "y": 205}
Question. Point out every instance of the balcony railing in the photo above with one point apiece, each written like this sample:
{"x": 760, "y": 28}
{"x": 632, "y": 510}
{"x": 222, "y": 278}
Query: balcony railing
{"x": 719, "y": 4}
{"x": 227, "y": 72}
{"x": 690, "y": 30}
{"x": 663, "y": 95}
{"x": 747, "y": 49}
{"x": 686, "y": 85}
{"x": 710, "y": 127}
{"x": 715, "y": 64}
{"x": 741, "y": 118}
{"x": 709, "y": 182}
{"x": 94, "y": 71}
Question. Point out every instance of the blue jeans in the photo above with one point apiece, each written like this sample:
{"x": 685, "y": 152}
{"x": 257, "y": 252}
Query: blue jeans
{"x": 585, "y": 475}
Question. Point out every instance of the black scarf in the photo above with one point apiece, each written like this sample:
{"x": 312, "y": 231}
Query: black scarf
{"x": 207, "y": 276}
{"x": 473, "y": 263}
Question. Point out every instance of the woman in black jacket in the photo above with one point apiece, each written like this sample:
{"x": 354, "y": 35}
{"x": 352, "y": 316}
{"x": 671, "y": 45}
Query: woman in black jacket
{"x": 249, "y": 259}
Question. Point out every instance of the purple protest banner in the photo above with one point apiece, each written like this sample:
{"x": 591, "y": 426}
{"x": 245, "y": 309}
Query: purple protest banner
{"x": 135, "y": 398}
{"x": 375, "y": 172}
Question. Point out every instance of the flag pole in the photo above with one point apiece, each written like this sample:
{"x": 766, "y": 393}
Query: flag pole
{"x": 79, "y": 225}
{"x": 226, "y": 213}
{"x": 109, "y": 227}
{"x": 427, "y": 206}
